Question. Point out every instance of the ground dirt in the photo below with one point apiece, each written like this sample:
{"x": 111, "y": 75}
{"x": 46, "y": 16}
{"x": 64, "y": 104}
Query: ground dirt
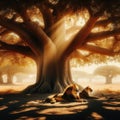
{"x": 31, "y": 107}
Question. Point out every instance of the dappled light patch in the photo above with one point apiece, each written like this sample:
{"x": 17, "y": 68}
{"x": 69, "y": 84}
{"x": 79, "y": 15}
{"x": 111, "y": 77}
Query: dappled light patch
{"x": 31, "y": 107}
{"x": 112, "y": 108}
{"x": 96, "y": 116}
{"x": 31, "y": 118}
{"x": 1, "y": 98}
{"x": 33, "y": 102}
{"x": 24, "y": 110}
{"x": 65, "y": 104}
{"x": 3, "y": 107}
{"x": 13, "y": 102}
{"x": 55, "y": 111}
{"x": 61, "y": 109}
{"x": 112, "y": 103}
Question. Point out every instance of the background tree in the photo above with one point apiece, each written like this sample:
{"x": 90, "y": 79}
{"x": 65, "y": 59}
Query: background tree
{"x": 49, "y": 34}
{"x": 10, "y": 64}
{"x": 109, "y": 72}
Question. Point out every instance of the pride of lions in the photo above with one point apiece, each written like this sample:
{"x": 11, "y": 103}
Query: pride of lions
{"x": 72, "y": 93}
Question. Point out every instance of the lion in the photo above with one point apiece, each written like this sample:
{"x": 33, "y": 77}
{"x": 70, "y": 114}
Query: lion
{"x": 85, "y": 93}
{"x": 71, "y": 93}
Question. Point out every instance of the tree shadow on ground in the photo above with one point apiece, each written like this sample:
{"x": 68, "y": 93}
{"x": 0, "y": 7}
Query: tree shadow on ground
{"x": 31, "y": 107}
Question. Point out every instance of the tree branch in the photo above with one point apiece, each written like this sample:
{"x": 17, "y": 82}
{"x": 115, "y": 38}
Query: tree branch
{"x": 96, "y": 49}
{"x": 35, "y": 28}
{"x": 18, "y": 30}
{"x": 17, "y": 48}
{"x": 80, "y": 38}
{"x": 97, "y": 24}
{"x": 107, "y": 21}
{"x": 47, "y": 16}
{"x": 101, "y": 35}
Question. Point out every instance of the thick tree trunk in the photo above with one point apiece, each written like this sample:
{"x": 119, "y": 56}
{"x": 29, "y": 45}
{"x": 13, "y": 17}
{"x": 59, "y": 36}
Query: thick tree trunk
{"x": 1, "y": 79}
{"x": 52, "y": 73}
{"x": 55, "y": 76}
{"x": 53, "y": 80}
{"x": 109, "y": 80}
{"x": 64, "y": 72}
{"x": 9, "y": 78}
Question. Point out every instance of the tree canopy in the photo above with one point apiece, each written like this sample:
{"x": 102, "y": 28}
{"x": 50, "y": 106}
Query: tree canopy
{"x": 51, "y": 32}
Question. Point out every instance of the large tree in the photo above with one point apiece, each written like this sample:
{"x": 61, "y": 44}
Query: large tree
{"x": 109, "y": 72}
{"x": 50, "y": 32}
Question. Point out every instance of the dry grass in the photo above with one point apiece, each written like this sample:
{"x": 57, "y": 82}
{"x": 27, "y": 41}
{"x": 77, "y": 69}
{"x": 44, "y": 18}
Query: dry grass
{"x": 7, "y": 89}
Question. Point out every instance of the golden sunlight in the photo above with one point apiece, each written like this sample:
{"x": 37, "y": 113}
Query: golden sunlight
{"x": 105, "y": 28}
{"x": 17, "y": 72}
{"x": 11, "y": 38}
{"x": 84, "y": 75}
{"x": 61, "y": 109}
{"x": 112, "y": 108}
{"x": 96, "y": 116}
{"x": 74, "y": 23}
{"x": 24, "y": 110}
{"x": 36, "y": 16}
{"x": 63, "y": 29}
{"x": 3, "y": 107}
{"x": 38, "y": 20}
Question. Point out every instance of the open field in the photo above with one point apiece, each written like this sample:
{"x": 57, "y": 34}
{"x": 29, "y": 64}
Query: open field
{"x": 4, "y": 89}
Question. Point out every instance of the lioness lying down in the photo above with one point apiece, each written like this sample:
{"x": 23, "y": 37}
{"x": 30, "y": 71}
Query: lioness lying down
{"x": 70, "y": 94}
